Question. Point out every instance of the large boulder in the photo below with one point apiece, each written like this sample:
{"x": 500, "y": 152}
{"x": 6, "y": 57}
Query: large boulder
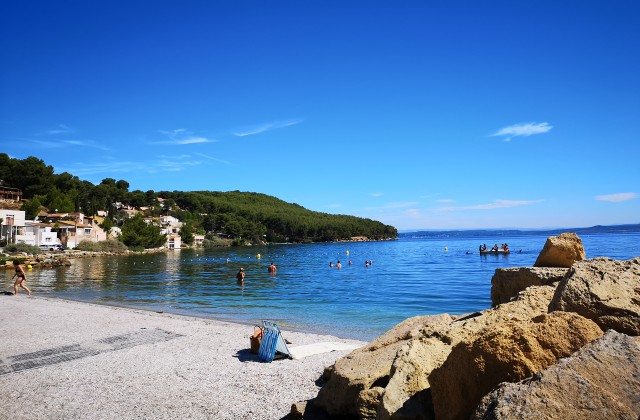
{"x": 390, "y": 377}
{"x": 561, "y": 251}
{"x": 604, "y": 290}
{"x": 356, "y": 381}
{"x": 600, "y": 381}
{"x": 506, "y": 283}
{"x": 507, "y": 352}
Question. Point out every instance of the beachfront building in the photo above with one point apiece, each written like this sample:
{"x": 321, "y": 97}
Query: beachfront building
{"x": 74, "y": 228}
{"x": 12, "y": 226}
{"x": 15, "y": 229}
{"x": 174, "y": 241}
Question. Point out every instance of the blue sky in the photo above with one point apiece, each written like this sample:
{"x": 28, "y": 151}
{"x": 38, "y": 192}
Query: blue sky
{"x": 423, "y": 115}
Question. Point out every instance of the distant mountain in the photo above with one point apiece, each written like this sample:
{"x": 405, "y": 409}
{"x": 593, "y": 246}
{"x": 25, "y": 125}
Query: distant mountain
{"x": 483, "y": 233}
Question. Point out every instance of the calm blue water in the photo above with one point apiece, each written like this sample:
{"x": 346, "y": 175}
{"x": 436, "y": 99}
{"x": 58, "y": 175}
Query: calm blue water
{"x": 408, "y": 277}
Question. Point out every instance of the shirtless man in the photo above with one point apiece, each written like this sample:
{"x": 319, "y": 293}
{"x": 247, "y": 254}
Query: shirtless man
{"x": 272, "y": 268}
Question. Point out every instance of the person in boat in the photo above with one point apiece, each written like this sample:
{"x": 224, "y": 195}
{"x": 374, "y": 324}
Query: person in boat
{"x": 505, "y": 248}
{"x": 495, "y": 248}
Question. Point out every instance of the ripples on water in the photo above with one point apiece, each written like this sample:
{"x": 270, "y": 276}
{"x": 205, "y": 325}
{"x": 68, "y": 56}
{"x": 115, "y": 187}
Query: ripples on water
{"x": 408, "y": 277}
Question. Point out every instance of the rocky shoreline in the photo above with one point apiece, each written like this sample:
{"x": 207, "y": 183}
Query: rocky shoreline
{"x": 560, "y": 341}
{"x": 63, "y": 258}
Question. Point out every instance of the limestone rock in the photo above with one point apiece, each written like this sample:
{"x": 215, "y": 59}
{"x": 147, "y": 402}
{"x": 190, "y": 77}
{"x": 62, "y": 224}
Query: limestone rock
{"x": 390, "y": 376}
{"x": 604, "y": 290}
{"x": 600, "y": 381}
{"x": 367, "y": 368}
{"x": 561, "y": 251}
{"x": 507, "y": 282}
{"x": 507, "y": 352}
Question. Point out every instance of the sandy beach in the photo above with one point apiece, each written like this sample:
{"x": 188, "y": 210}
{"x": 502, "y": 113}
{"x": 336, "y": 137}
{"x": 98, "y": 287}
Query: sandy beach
{"x": 65, "y": 359}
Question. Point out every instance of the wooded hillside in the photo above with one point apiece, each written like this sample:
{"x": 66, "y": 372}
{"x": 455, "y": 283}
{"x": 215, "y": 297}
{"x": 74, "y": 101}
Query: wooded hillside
{"x": 247, "y": 215}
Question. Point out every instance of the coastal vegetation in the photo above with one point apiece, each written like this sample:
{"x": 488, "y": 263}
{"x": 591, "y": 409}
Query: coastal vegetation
{"x": 242, "y": 217}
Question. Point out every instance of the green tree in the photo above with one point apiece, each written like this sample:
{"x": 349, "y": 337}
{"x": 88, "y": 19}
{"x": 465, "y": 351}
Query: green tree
{"x": 137, "y": 233}
{"x": 186, "y": 233}
{"x": 106, "y": 225}
{"x": 31, "y": 208}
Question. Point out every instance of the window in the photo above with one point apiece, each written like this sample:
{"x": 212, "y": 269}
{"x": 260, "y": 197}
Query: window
{"x": 87, "y": 231}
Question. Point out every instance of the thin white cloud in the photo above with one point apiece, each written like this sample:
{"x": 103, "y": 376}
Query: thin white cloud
{"x": 445, "y": 200}
{"x": 86, "y": 143}
{"x": 60, "y": 129}
{"x": 161, "y": 163}
{"x": 54, "y": 144}
{"x": 496, "y": 204}
{"x": 257, "y": 129}
{"x": 181, "y": 137}
{"x": 174, "y": 133}
{"x": 193, "y": 140}
{"x": 213, "y": 158}
{"x": 617, "y": 198}
{"x": 525, "y": 130}
{"x": 376, "y": 194}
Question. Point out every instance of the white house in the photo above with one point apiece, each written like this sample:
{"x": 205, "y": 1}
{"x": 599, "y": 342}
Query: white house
{"x": 12, "y": 225}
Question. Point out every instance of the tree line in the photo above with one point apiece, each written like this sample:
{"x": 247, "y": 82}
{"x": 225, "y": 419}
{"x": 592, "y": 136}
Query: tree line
{"x": 245, "y": 216}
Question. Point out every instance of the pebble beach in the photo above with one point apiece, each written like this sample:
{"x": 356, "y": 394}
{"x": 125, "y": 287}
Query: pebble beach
{"x": 68, "y": 359}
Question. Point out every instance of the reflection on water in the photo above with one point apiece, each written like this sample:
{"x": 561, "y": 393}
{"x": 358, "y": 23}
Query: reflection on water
{"x": 408, "y": 277}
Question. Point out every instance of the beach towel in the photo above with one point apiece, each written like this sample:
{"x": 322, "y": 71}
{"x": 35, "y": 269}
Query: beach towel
{"x": 306, "y": 350}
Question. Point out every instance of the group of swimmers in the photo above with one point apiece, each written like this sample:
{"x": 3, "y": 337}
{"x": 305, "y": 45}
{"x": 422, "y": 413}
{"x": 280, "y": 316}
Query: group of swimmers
{"x": 271, "y": 269}
{"x": 339, "y": 265}
{"x": 495, "y": 248}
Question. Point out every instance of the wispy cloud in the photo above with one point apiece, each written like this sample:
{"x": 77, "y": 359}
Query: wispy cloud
{"x": 193, "y": 140}
{"x": 53, "y": 144}
{"x": 496, "y": 204}
{"x": 525, "y": 130}
{"x": 213, "y": 158}
{"x": 376, "y": 194}
{"x": 617, "y": 198}
{"x": 257, "y": 129}
{"x": 181, "y": 136}
{"x": 161, "y": 163}
{"x": 59, "y": 129}
{"x": 445, "y": 200}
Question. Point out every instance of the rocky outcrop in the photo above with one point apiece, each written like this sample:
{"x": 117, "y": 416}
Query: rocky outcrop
{"x": 506, "y": 283}
{"x": 442, "y": 366}
{"x": 390, "y": 376}
{"x": 604, "y": 290}
{"x": 510, "y": 352}
{"x": 356, "y": 382}
{"x": 600, "y": 381}
{"x": 561, "y": 251}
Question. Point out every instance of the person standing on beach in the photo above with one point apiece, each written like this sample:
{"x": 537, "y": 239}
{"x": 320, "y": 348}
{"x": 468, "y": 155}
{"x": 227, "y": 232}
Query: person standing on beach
{"x": 22, "y": 278}
{"x": 272, "y": 269}
{"x": 240, "y": 275}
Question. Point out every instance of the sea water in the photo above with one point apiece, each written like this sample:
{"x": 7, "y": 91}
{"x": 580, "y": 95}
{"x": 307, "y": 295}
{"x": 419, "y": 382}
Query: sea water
{"x": 407, "y": 277}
